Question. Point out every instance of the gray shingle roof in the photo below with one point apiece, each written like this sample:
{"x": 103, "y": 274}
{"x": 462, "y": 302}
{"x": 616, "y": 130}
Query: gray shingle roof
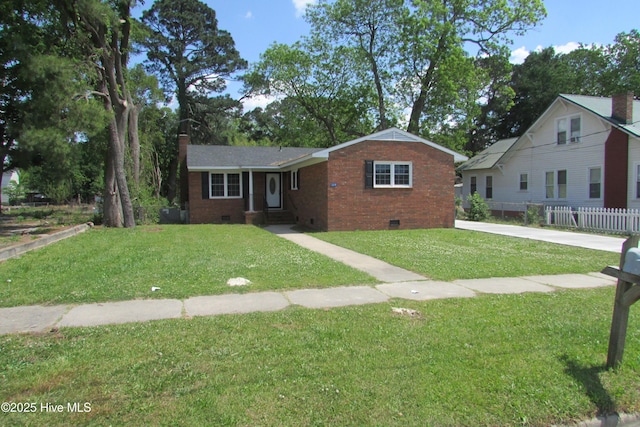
{"x": 489, "y": 157}
{"x": 225, "y": 156}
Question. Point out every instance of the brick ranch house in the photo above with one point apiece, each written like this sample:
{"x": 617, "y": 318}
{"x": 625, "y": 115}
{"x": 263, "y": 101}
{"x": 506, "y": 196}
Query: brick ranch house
{"x": 388, "y": 180}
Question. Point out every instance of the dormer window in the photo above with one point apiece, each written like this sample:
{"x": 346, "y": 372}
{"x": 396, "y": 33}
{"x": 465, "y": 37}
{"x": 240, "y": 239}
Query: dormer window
{"x": 568, "y": 130}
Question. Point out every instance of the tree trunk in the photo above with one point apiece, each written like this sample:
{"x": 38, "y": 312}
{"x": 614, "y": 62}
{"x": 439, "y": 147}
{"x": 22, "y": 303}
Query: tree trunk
{"x": 183, "y": 128}
{"x": 134, "y": 142}
{"x": 118, "y": 144}
{"x": 111, "y": 208}
{"x": 416, "y": 112}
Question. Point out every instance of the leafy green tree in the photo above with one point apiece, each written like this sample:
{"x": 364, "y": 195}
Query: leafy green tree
{"x": 438, "y": 74}
{"x": 157, "y": 137}
{"x": 623, "y": 69}
{"x": 103, "y": 30}
{"x": 536, "y": 83}
{"x": 188, "y": 51}
{"x": 369, "y": 29}
{"x": 495, "y": 101}
{"x": 321, "y": 81}
{"x": 212, "y": 119}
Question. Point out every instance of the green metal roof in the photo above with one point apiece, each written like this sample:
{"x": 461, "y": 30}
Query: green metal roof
{"x": 489, "y": 157}
{"x": 601, "y": 106}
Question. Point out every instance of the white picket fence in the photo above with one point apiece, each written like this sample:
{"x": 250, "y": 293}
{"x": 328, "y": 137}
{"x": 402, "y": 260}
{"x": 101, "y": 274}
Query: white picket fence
{"x": 625, "y": 221}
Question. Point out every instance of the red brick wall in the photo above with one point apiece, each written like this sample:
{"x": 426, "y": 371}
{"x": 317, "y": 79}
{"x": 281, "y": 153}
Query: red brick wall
{"x": 348, "y": 205}
{"x": 616, "y": 159}
{"x": 211, "y": 211}
{"x": 428, "y": 204}
{"x": 309, "y": 202}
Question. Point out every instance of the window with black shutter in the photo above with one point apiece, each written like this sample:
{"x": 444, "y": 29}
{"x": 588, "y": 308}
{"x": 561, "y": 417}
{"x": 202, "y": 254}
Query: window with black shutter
{"x": 204, "y": 176}
{"x": 368, "y": 174}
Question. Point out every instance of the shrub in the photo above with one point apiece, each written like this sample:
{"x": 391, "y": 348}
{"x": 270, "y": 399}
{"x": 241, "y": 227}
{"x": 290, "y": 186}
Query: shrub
{"x": 459, "y": 209}
{"x": 478, "y": 208}
{"x": 533, "y": 215}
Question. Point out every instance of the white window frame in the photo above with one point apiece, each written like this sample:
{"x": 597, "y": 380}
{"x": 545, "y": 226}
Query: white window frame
{"x": 294, "y": 179}
{"x": 636, "y": 167}
{"x": 592, "y": 168}
{"x": 392, "y": 167}
{"x": 226, "y": 185}
{"x": 488, "y": 187}
{"x": 472, "y": 190}
{"x": 556, "y": 185}
{"x": 570, "y": 137}
{"x": 525, "y": 181}
{"x": 549, "y": 185}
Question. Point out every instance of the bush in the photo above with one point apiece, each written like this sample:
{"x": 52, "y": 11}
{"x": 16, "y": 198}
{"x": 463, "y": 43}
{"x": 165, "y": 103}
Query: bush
{"x": 478, "y": 208}
{"x": 460, "y": 214}
{"x": 16, "y": 193}
{"x": 533, "y": 215}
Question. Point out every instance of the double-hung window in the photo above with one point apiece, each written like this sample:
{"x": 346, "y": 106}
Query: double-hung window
{"x": 392, "y": 174}
{"x": 568, "y": 129}
{"x": 595, "y": 183}
{"x": 489, "y": 187}
{"x": 524, "y": 182}
{"x": 555, "y": 184}
{"x": 225, "y": 185}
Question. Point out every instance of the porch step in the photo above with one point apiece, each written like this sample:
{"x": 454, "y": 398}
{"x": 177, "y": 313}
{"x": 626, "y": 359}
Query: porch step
{"x": 280, "y": 217}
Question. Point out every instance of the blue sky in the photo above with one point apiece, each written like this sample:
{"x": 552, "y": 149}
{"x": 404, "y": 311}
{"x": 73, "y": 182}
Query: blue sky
{"x": 256, "y": 24}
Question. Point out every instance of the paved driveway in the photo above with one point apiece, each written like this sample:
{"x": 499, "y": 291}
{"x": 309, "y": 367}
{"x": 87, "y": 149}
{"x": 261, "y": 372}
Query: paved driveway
{"x": 570, "y": 238}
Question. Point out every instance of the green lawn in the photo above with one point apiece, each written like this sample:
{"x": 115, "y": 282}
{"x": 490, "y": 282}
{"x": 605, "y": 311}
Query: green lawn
{"x": 449, "y": 254}
{"x": 183, "y": 261}
{"x": 507, "y": 360}
{"x": 112, "y": 264}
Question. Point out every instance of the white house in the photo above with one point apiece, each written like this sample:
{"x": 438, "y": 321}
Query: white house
{"x": 583, "y": 151}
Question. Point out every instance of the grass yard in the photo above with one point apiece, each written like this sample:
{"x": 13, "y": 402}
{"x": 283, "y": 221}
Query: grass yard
{"x": 450, "y": 254}
{"x": 119, "y": 264}
{"x": 507, "y": 360}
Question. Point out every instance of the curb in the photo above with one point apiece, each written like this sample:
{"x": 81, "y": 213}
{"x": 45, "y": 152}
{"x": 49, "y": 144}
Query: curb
{"x": 16, "y": 251}
{"x": 611, "y": 420}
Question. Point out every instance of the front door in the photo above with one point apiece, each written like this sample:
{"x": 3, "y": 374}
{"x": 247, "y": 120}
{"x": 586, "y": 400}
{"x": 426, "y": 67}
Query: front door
{"x": 274, "y": 197}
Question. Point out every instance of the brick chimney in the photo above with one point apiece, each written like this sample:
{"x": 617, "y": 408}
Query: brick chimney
{"x": 622, "y": 107}
{"x": 183, "y": 141}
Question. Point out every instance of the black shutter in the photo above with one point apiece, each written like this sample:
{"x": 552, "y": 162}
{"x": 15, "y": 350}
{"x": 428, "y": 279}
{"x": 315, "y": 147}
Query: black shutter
{"x": 368, "y": 174}
{"x": 205, "y": 184}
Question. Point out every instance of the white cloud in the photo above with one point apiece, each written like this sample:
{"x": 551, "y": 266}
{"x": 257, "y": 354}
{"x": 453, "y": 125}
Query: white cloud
{"x": 301, "y": 5}
{"x": 254, "y": 102}
{"x": 566, "y": 48}
{"x": 248, "y": 15}
{"x": 520, "y": 54}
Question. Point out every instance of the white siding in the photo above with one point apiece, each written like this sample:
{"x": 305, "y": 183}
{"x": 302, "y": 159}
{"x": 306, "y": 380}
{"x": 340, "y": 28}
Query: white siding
{"x": 634, "y": 161}
{"x": 537, "y": 153}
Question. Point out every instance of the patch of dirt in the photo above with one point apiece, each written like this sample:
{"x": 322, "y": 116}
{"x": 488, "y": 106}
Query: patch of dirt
{"x": 15, "y": 233}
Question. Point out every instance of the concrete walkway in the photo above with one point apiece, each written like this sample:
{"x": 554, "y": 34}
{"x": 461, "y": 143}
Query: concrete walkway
{"x": 44, "y": 318}
{"x": 570, "y": 238}
{"x": 396, "y": 283}
{"x": 374, "y": 267}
